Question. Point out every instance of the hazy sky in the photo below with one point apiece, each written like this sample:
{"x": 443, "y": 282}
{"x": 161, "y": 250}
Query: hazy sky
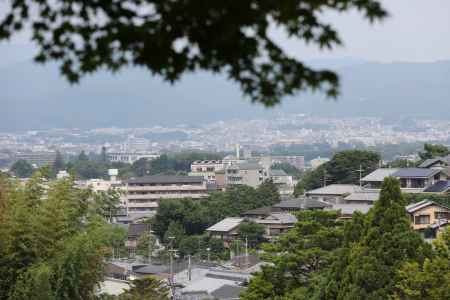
{"x": 417, "y": 30}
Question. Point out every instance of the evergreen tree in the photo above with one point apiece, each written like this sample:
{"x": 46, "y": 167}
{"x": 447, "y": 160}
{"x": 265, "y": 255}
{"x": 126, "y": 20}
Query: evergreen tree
{"x": 146, "y": 288}
{"x": 104, "y": 155}
{"x": 58, "y": 164}
{"x": 299, "y": 189}
{"x": 374, "y": 252}
{"x": 268, "y": 193}
{"x": 22, "y": 169}
{"x": 82, "y": 156}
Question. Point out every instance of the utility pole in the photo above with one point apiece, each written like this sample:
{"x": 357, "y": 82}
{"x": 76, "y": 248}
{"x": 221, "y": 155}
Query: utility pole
{"x": 360, "y": 170}
{"x": 171, "y": 251}
{"x": 189, "y": 267}
{"x": 246, "y": 252}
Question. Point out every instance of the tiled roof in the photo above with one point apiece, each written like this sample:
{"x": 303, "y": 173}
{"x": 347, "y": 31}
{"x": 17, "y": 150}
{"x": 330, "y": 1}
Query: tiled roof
{"x": 349, "y": 209}
{"x": 422, "y": 204}
{"x": 166, "y": 179}
{"x": 363, "y": 196}
{"x": 301, "y": 203}
{"x": 136, "y": 230}
{"x": 226, "y": 225}
{"x": 335, "y": 189}
{"x": 431, "y": 161}
{"x": 415, "y": 172}
{"x": 379, "y": 174}
{"x": 278, "y": 218}
{"x": 438, "y": 187}
{"x": 276, "y": 172}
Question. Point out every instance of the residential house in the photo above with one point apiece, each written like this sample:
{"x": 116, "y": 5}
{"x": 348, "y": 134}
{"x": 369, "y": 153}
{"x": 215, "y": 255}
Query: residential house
{"x": 333, "y": 193}
{"x": 277, "y": 223}
{"x": 418, "y": 179}
{"x": 347, "y": 210}
{"x": 227, "y": 229}
{"x": 362, "y": 197}
{"x": 376, "y": 178}
{"x": 440, "y": 187}
{"x": 296, "y": 204}
{"x": 135, "y": 231}
{"x": 428, "y": 214}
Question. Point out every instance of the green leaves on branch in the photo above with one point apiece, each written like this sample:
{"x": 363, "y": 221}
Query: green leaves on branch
{"x": 172, "y": 38}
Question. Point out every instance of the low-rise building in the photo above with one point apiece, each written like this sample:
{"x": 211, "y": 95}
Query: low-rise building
{"x": 135, "y": 231}
{"x": 227, "y": 229}
{"x": 283, "y": 181}
{"x": 333, "y": 193}
{"x": 427, "y": 213}
{"x": 277, "y": 223}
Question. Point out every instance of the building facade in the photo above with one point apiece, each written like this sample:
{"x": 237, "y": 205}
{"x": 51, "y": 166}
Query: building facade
{"x": 130, "y": 157}
{"x": 143, "y": 194}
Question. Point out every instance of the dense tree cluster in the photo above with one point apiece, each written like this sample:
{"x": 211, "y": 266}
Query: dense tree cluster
{"x": 433, "y": 151}
{"x": 373, "y": 256}
{"x": 186, "y": 218}
{"x": 52, "y": 241}
{"x": 288, "y": 168}
{"x": 342, "y": 168}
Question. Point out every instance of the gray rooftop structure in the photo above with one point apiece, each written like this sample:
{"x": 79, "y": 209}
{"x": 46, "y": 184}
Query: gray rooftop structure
{"x": 165, "y": 179}
{"x": 379, "y": 175}
{"x": 225, "y": 225}
{"x": 439, "y": 187}
{"x": 415, "y": 173}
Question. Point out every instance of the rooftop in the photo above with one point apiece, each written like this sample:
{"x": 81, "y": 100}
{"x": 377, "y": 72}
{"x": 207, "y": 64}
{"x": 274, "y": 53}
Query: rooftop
{"x": 422, "y": 204}
{"x": 226, "y": 225}
{"x": 379, "y": 174}
{"x": 166, "y": 179}
{"x": 363, "y": 196}
{"x": 335, "y": 189}
{"x": 278, "y": 218}
{"x": 301, "y": 203}
{"x": 438, "y": 187}
{"x": 350, "y": 209}
{"x": 276, "y": 172}
{"x": 415, "y": 172}
{"x": 431, "y": 161}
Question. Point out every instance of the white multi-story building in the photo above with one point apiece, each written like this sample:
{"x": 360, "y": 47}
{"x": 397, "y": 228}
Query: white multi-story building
{"x": 143, "y": 194}
{"x": 130, "y": 157}
{"x": 207, "y": 169}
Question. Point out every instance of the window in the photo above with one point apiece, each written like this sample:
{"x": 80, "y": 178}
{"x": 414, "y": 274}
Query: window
{"x": 440, "y": 215}
{"x": 422, "y": 219}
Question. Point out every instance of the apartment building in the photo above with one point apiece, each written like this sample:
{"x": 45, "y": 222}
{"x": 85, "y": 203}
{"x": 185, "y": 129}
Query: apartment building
{"x": 143, "y": 194}
{"x": 251, "y": 174}
{"x": 130, "y": 157}
{"x": 207, "y": 169}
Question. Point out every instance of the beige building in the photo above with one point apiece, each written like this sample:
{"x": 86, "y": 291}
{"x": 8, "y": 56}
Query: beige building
{"x": 251, "y": 174}
{"x": 427, "y": 213}
{"x": 143, "y": 194}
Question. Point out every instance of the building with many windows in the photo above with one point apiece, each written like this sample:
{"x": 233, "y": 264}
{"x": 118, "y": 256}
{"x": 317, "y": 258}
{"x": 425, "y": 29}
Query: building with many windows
{"x": 207, "y": 169}
{"x": 143, "y": 194}
{"x": 130, "y": 157}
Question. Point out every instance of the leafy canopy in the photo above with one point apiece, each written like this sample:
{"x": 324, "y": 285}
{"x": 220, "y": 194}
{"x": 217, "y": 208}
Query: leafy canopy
{"x": 171, "y": 38}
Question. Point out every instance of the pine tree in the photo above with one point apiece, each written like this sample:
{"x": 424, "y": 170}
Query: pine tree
{"x": 385, "y": 242}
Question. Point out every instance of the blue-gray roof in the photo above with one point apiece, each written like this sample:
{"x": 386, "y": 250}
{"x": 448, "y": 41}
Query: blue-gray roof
{"x": 415, "y": 172}
{"x": 438, "y": 187}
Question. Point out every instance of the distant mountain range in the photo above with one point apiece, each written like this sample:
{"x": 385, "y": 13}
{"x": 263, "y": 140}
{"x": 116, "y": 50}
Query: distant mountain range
{"x": 36, "y": 97}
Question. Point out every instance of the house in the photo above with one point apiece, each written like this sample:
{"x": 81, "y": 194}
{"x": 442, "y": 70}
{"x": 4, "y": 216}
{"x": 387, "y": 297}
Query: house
{"x": 412, "y": 180}
{"x": 362, "y": 197}
{"x": 333, "y": 193}
{"x": 277, "y": 223}
{"x": 347, "y": 210}
{"x": 418, "y": 179}
{"x": 436, "y": 163}
{"x": 428, "y": 213}
{"x": 296, "y": 204}
{"x": 258, "y": 213}
{"x": 376, "y": 178}
{"x": 211, "y": 283}
{"x": 440, "y": 187}
{"x": 135, "y": 231}
{"x": 227, "y": 229}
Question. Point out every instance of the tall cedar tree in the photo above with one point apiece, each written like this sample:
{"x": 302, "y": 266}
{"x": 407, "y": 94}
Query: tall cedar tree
{"x": 375, "y": 250}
